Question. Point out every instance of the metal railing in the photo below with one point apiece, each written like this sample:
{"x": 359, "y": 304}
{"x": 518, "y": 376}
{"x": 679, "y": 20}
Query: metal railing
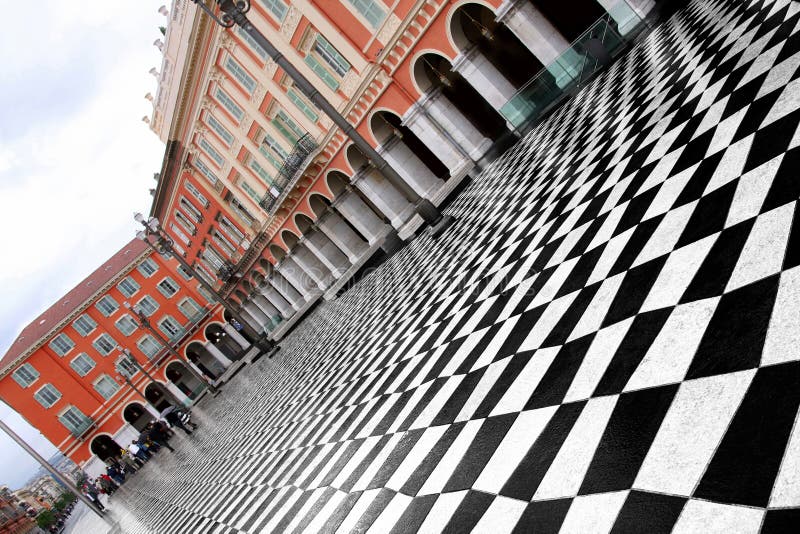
{"x": 290, "y": 172}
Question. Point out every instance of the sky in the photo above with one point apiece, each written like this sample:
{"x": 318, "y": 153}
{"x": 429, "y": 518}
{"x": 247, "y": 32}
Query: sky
{"x": 76, "y": 160}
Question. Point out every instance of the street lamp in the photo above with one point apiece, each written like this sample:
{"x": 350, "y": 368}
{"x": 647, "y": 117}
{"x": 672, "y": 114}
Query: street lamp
{"x": 164, "y": 245}
{"x": 128, "y": 358}
{"x": 145, "y": 323}
{"x": 234, "y": 13}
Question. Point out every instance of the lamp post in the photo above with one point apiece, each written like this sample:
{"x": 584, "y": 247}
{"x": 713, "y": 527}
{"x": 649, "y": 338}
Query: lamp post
{"x": 145, "y": 323}
{"x": 234, "y": 13}
{"x": 164, "y": 245}
{"x": 131, "y": 360}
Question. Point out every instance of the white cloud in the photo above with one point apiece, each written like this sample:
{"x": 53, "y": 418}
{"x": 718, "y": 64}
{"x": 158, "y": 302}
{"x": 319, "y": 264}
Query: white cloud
{"x": 75, "y": 159}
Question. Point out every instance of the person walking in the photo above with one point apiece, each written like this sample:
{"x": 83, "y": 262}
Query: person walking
{"x": 175, "y": 419}
{"x": 93, "y": 494}
{"x": 158, "y": 436}
{"x": 139, "y": 452}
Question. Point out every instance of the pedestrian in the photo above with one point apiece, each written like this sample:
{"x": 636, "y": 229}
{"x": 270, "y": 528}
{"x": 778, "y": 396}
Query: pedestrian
{"x": 158, "y": 435}
{"x": 175, "y": 419}
{"x": 91, "y": 492}
{"x": 129, "y": 461}
{"x": 116, "y": 474}
{"x": 108, "y": 486}
{"x": 139, "y": 452}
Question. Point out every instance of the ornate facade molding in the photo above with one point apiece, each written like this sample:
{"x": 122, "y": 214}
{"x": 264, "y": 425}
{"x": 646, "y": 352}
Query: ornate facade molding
{"x": 290, "y": 23}
{"x": 350, "y": 82}
{"x": 390, "y": 26}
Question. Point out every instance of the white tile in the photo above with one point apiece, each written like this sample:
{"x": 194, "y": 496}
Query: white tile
{"x": 469, "y": 345}
{"x": 783, "y": 335}
{"x": 318, "y": 523}
{"x": 764, "y": 250}
{"x": 596, "y": 311}
{"x": 786, "y": 491}
{"x": 609, "y": 256}
{"x": 673, "y": 349}
{"x": 668, "y": 193}
{"x": 566, "y": 473}
{"x": 731, "y": 165}
{"x": 415, "y": 399}
{"x": 519, "y": 438}
{"x": 525, "y": 383}
{"x": 677, "y": 273}
{"x": 417, "y": 453}
{"x": 441, "y": 512}
{"x": 303, "y": 511}
{"x": 554, "y": 283}
{"x": 690, "y": 432}
{"x": 357, "y": 457}
{"x": 593, "y": 513}
{"x": 282, "y": 511}
{"x": 447, "y": 465}
{"x": 661, "y": 171}
{"x": 547, "y": 321}
{"x": 435, "y": 405}
{"x": 596, "y": 360}
{"x": 714, "y": 518}
{"x": 788, "y": 102}
{"x": 666, "y": 235}
{"x": 501, "y": 516}
{"x": 779, "y": 75}
{"x": 351, "y": 519}
{"x": 390, "y": 515}
{"x": 724, "y": 132}
{"x": 376, "y": 464}
{"x": 490, "y": 376}
{"x": 476, "y": 317}
{"x": 751, "y": 191}
{"x": 606, "y": 230}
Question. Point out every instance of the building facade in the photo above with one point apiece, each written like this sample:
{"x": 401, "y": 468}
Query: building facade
{"x": 429, "y": 83}
{"x": 66, "y": 375}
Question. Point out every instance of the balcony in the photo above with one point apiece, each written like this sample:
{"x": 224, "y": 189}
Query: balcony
{"x": 290, "y": 172}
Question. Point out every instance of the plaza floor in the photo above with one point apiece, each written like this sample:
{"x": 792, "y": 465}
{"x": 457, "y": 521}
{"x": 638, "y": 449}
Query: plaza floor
{"x": 605, "y": 341}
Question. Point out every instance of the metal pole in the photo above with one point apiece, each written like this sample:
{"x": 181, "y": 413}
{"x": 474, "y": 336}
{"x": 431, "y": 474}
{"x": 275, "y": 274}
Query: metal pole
{"x": 234, "y": 13}
{"x": 164, "y": 391}
{"x": 53, "y": 472}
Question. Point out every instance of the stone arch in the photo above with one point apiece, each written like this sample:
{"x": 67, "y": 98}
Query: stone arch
{"x": 177, "y": 373}
{"x": 228, "y": 317}
{"x": 303, "y": 222}
{"x": 136, "y": 415}
{"x": 155, "y": 395}
{"x": 289, "y": 238}
{"x": 215, "y": 333}
{"x": 104, "y": 447}
{"x": 277, "y": 251}
{"x": 455, "y": 32}
{"x": 199, "y": 355}
{"x": 389, "y": 129}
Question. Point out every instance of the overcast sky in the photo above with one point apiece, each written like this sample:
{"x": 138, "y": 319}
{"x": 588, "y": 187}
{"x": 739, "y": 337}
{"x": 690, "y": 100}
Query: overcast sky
{"x": 75, "y": 158}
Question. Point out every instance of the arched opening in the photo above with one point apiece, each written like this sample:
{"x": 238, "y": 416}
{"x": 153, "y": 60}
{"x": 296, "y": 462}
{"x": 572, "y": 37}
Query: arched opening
{"x": 104, "y": 447}
{"x": 204, "y": 360}
{"x": 229, "y": 318}
{"x": 289, "y": 238}
{"x": 156, "y": 397}
{"x": 277, "y": 252}
{"x": 186, "y": 382}
{"x": 137, "y": 416}
{"x": 476, "y": 32}
{"x": 570, "y": 18}
{"x": 224, "y": 342}
{"x": 433, "y": 72}
{"x": 390, "y": 132}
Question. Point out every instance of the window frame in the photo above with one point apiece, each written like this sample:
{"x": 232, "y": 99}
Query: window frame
{"x": 105, "y": 336}
{"x": 60, "y": 339}
{"x": 28, "y": 368}
{"x": 129, "y": 280}
{"x": 38, "y": 395}
{"x": 82, "y": 356}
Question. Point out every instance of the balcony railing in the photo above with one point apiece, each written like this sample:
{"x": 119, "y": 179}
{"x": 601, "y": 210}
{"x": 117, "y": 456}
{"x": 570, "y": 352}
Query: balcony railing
{"x": 293, "y": 166}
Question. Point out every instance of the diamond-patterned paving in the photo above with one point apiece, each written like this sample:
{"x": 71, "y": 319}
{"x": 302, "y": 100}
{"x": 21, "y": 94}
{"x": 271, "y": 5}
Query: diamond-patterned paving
{"x": 605, "y": 340}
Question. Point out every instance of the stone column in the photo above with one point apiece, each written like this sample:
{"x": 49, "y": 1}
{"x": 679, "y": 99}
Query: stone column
{"x": 257, "y": 314}
{"x": 297, "y": 276}
{"x": 180, "y": 395}
{"x": 456, "y": 123}
{"x": 276, "y": 299}
{"x": 218, "y": 354}
{"x": 287, "y": 290}
{"x": 332, "y": 226}
{"x": 412, "y": 169}
{"x": 384, "y": 195}
{"x": 418, "y": 121}
{"x": 540, "y": 37}
{"x": 358, "y": 213}
{"x": 481, "y": 74}
{"x": 313, "y": 268}
{"x": 627, "y": 14}
{"x": 265, "y": 306}
{"x": 155, "y": 413}
{"x": 327, "y": 252}
{"x": 236, "y": 336}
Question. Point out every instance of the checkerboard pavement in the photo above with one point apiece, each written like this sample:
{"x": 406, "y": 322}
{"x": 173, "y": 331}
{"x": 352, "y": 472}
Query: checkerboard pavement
{"x": 605, "y": 341}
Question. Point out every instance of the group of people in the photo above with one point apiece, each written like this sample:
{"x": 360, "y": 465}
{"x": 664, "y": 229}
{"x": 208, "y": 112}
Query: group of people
{"x": 155, "y": 436}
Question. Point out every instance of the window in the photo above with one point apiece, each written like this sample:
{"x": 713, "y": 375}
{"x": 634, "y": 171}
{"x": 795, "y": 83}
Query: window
{"x": 62, "y": 344}
{"x": 273, "y": 151}
{"x": 250, "y": 191}
{"x": 278, "y": 8}
{"x": 189, "y": 208}
{"x": 302, "y": 105}
{"x": 84, "y": 325}
{"x": 205, "y": 171}
{"x": 223, "y": 243}
{"x": 323, "y": 73}
{"x": 47, "y": 395}
{"x": 75, "y": 421}
{"x": 148, "y": 305}
{"x": 148, "y": 267}
{"x": 189, "y": 308}
{"x": 213, "y": 257}
{"x": 104, "y": 344}
{"x": 229, "y": 104}
{"x": 287, "y": 127}
{"x": 212, "y": 152}
{"x": 241, "y": 75}
{"x": 168, "y": 287}
{"x": 82, "y": 364}
{"x": 179, "y": 234}
{"x": 257, "y": 48}
{"x": 241, "y": 211}
{"x": 206, "y": 294}
{"x": 128, "y": 287}
{"x": 106, "y": 386}
{"x": 148, "y": 345}
{"x": 170, "y": 326}
{"x": 219, "y": 129}
{"x": 230, "y": 229}
{"x": 370, "y": 10}
{"x": 184, "y": 273}
{"x": 202, "y": 268}
{"x": 25, "y": 375}
{"x": 332, "y": 58}
{"x": 125, "y": 367}
{"x": 184, "y": 221}
{"x": 126, "y": 324}
{"x": 107, "y": 305}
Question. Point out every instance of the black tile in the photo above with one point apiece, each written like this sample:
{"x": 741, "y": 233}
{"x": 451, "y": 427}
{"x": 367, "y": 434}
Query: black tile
{"x": 792, "y": 257}
{"x": 629, "y": 433}
{"x": 431, "y": 460}
{"x": 786, "y": 184}
{"x": 372, "y": 512}
{"x": 781, "y": 521}
{"x": 395, "y": 458}
{"x": 431, "y": 392}
{"x": 635, "y": 287}
{"x": 458, "y": 398}
{"x": 734, "y": 338}
{"x": 653, "y": 513}
{"x": 694, "y": 188}
{"x": 579, "y": 275}
{"x": 556, "y": 381}
{"x": 635, "y": 210}
{"x": 481, "y": 449}
{"x": 520, "y": 331}
{"x": 333, "y": 471}
{"x": 414, "y": 515}
{"x": 708, "y": 216}
{"x": 641, "y": 235}
{"x": 543, "y": 517}
{"x": 510, "y": 373}
{"x": 469, "y": 512}
{"x": 772, "y": 140}
{"x": 747, "y": 460}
